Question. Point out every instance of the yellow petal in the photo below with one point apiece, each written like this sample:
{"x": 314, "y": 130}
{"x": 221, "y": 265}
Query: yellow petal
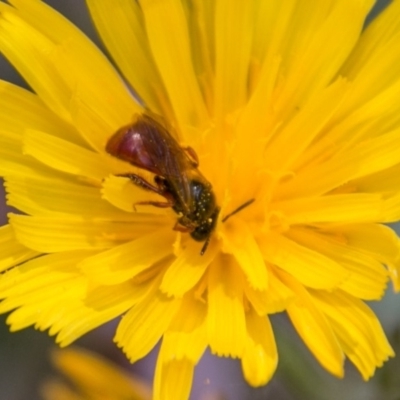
{"x": 375, "y": 240}
{"x": 247, "y": 253}
{"x": 120, "y": 25}
{"x": 171, "y": 50}
{"x": 185, "y": 272}
{"x": 271, "y": 25}
{"x": 392, "y": 208}
{"x": 367, "y": 157}
{"x": 100, "y": 377}
{"x": 370, "y": 65}
{"x": 383, "y": 181}
{"x": 255, "y": 118}
{"x": 44, "y": 78}
{"x": 350, "y": 208}
{"x": 99, "y": 307}
{"x": 13, "y": 162}
{"x": 260, "y": 356}
{"x": 201, "y": 22}
{"x": 20, "y": 108}
{"x": 127, "y": 260}
{"x": 380, "y": 31}
{"x": 311, "y": 54}
{"x": 50, "y": 293}
{"x": 272, "y": 300}
{"x": 65, "y": 156}
{"x": 173, "y": 379}
{"x": 48, "y": 234}
{"x": 226, "y": 324}
{"x": 366, "y": 278}
{"x": 394, "y": 271}
{"x": 357, "y": 329}
{"x": 66, "y": 58}
{"x": 281, "y": 107}
{"x": 314, "y": 328}
{"x": 12, "y": 252}
{"x": 311, "y": 119}
{"x": 187, "y": 337}
{"x": 311, "y": 268}
{"x": 122, "y": 193}
{"x": 233, "y": 38}
{"x": 36, "y": 196}
{"x": 57, "y": 390}
{"x": 143, "y": 326}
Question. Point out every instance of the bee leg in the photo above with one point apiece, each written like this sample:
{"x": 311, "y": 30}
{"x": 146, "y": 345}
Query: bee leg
{"x": 180, "y": 228}
{"x": 160, "y": 204}
{"x": 205, "y": 245}
{"x": 192, "y": 155}
{"x": 159, "y": 189}
{"x": 141, "y": 182}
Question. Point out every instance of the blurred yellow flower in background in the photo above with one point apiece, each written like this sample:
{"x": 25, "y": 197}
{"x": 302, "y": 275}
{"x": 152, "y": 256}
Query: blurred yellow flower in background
{"x": 90, "y": 377}
{"x": 290, "y": 103}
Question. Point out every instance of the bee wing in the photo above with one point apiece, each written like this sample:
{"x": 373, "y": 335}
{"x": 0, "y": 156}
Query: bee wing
{"x": 166, "y": 156}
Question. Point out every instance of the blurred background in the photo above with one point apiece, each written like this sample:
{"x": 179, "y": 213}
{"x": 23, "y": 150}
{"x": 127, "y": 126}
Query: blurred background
{"x": 25, "y": 355}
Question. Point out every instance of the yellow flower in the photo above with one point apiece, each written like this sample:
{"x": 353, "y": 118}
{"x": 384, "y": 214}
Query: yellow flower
{"x": 92, "y": 378}
{"x": 288, "y": 103}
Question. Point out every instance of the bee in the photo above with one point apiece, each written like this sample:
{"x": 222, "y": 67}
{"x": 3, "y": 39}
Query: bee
{"x": 147, "y": 144}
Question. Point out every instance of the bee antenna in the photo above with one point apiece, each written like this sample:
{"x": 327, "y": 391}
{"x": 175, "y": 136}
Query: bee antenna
{"x": 240, "y": 208}
{"x": 205, "y": 245}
